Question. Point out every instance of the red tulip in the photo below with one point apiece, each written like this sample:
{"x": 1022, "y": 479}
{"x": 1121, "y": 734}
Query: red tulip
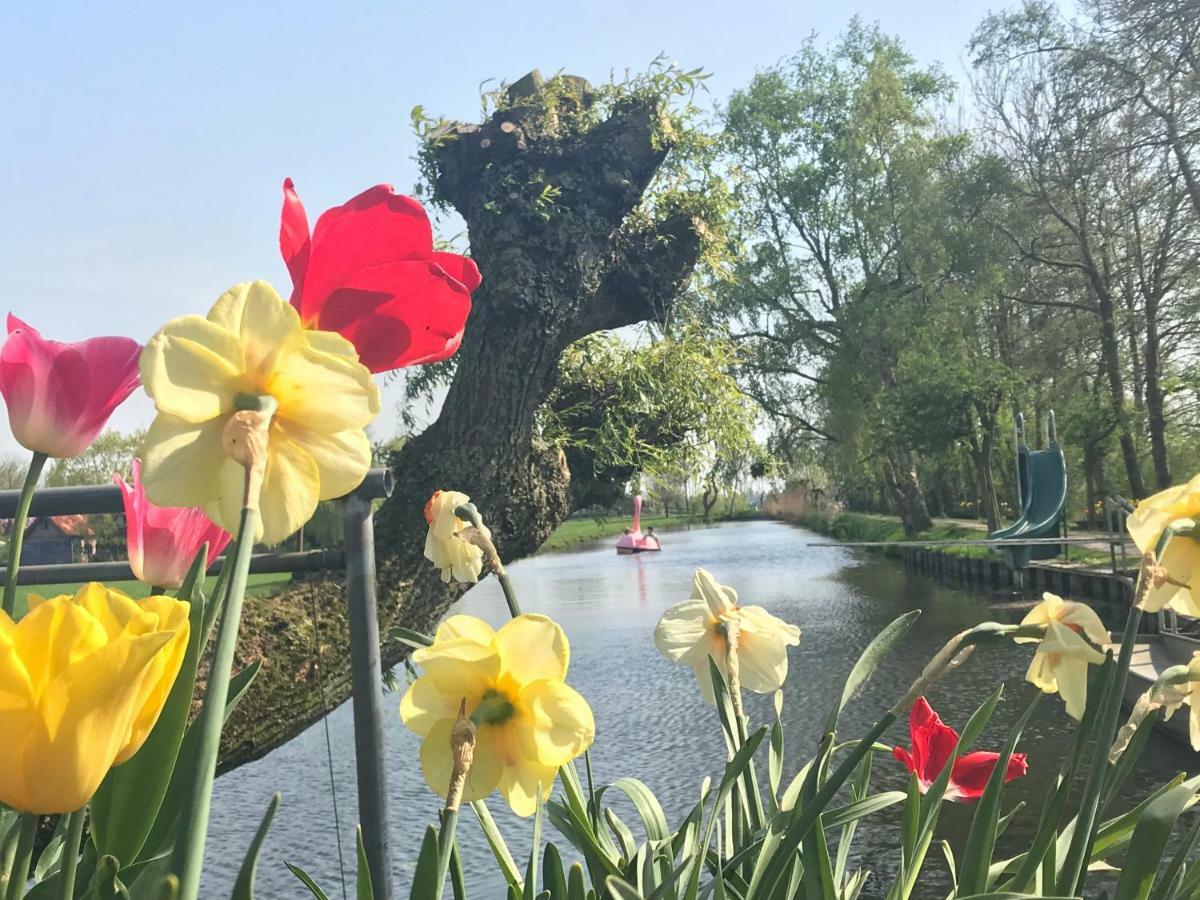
{"x": 60, "y": 396}
{"x": 162, "y": 541}
{"x": 370, "y": 273}
{"x": 932, "y": 743}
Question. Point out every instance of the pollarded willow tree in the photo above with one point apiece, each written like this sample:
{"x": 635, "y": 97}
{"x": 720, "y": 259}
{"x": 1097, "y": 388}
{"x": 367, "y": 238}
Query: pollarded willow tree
{"x": 584, "y": 214}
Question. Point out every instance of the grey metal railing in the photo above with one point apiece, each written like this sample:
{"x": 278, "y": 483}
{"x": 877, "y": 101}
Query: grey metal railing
{"x": 357, "y": 558}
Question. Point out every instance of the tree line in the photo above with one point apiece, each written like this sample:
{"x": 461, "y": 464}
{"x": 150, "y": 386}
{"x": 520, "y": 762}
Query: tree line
{"x": 920, "y": 261}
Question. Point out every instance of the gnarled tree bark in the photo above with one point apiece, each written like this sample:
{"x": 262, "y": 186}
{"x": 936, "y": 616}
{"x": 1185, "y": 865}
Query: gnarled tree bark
{"x": 548, "y": 211}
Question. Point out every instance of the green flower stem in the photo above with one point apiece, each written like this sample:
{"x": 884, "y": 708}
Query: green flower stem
{"x": 32, "y": 475}
{"x": 1074, "y": 869}
{"x": 468, "y": 513}
{"x": 18, "y": 875}
{"x": 510, "y": 596}
{"x": 70, "y": 859}
{"x": 445, "y": 846}
{"x": 188, "y": 858}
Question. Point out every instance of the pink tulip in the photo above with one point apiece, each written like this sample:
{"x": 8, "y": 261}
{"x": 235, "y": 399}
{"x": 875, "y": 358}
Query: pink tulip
{"x": 163, "y": 541}
{"x": 59, "y": 396}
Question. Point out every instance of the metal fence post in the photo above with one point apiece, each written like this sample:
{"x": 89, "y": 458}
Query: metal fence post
{"x": 367, "y": 683}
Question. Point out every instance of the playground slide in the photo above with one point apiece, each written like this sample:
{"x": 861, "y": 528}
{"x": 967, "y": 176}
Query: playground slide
{"x": 1042, "y": 475}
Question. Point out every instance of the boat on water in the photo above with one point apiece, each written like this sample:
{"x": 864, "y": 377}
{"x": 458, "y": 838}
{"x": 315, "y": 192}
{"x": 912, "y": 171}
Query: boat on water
{"x": 633, "y": 541}
{"x": 1177, "y": 640}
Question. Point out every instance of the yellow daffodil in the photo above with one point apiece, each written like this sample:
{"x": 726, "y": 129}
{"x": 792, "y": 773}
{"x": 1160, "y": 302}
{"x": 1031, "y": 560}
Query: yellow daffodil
{"x": 694, "y": 630}
{"x": 445, "y": 547}
{"x": 82, "y": 682}
{"x": 199, "y": 371}
{"x": 1178, "y": 506}
{"x": 1062, "y": 657}
{"x": 528, "y": 721}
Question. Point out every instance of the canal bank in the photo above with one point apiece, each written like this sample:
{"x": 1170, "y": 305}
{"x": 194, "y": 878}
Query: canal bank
{"x": 975, "y": 567}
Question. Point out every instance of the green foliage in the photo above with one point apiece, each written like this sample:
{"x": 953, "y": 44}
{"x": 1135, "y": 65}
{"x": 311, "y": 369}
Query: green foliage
{"x": 621, "y": 409}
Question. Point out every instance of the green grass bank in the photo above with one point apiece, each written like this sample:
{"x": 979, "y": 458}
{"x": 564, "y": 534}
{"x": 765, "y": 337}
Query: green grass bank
{"x": 852, "y": 526}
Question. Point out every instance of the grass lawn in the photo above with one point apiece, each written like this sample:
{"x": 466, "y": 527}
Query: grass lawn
{"x": 576, "y": 531}
{"x": 256, "y": 585}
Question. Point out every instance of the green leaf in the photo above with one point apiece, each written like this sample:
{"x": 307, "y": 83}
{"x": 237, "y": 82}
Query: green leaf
{"x": 553, "y": 874}
{"x": 1166, "y": 886}
{"x": 162, "y": 835}
{"x": 243, "y": 888}
{"x": 363, "y": 889}
{"x": 1149, "y": 843}
{"x": 125, "y": 807}
{"x": 576, "y": 886}
{"x": 306, "y": 880}
{"x": 425, "y": 876}
{"x": 869, "y": 661}
{"x": 620, "y": 890}
{"x": 105, "y": 884}
{"x": 981, "y": 839}
{"x": 648, "y": 808}
{"x": 531, "y": 871}
{"x": 504, "y": 857}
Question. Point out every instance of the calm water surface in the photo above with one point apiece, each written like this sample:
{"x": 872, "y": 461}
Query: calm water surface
{"x": 650, "y": 721}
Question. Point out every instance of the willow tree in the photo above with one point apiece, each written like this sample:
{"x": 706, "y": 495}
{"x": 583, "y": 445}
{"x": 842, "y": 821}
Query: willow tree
{"x": 584, "y": 214}
{"x": 842, "y": 160}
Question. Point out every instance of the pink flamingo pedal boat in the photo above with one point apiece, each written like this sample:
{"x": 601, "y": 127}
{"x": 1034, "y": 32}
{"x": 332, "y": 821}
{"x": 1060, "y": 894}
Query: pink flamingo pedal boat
{"x": 633, "y": 541}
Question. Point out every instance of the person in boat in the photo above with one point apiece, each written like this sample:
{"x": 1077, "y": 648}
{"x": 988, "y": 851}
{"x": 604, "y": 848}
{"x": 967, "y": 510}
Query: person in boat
{"x": 651, "y": 536}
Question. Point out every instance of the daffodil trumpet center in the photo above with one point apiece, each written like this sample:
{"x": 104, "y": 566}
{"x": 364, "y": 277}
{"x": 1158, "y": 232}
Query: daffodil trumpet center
{"x": 252, "y": 402}
{"x": 495, "y": 708}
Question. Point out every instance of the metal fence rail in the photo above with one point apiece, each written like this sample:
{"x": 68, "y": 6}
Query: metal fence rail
{"x": 357, "y": 559}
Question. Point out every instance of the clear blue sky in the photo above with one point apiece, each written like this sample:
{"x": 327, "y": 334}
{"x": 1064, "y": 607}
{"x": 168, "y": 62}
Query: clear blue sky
{"x": 142, "y": 145}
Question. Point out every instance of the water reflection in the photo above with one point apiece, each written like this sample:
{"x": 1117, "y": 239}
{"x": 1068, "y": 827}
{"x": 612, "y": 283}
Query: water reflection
{"x": 650, "y": 720}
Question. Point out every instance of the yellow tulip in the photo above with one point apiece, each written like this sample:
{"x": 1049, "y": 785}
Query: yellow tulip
{"x": 693, "y": 631}
{"x": 1062, "y": 657}
{"x": 1181, "y": 557}
{"x": 444, "y": 545}
{"x": 528, "y": 721}
{"x": 83, "y": 679}
{"x": 252, "y": 343}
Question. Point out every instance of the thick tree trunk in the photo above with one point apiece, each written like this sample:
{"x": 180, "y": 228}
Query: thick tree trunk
{"x": 1156, "y": 420}
{"x": 900, "y": 472}
{"x": 553, "y": 271}
{"x": 1111, "y": 356}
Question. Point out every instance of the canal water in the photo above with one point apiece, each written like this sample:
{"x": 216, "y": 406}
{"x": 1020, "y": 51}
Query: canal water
{"x": 650, "y": 721}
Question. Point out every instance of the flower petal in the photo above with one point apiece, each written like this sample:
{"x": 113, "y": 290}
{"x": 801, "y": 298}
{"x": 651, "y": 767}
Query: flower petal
{"x": 468, "y": 627}
{"x": 560, "y": 725}
{"x": 424, "y": 705}
{"x": 533, "y": 647}
{"x": 181, "y": 462}
{"x": 342, "y": 459}
{"x": 461, "y": 668}
{"x": 322, "y": 392}
{"x": 682, "y": 627}
{"x": 294, "y": 237}
{"x": 720, "y": 599}
{"x": 266, "y": 327}
{"x": 437, "y": 763}
{"x": 290, "y": 491}
{"x": 191, "y": 369}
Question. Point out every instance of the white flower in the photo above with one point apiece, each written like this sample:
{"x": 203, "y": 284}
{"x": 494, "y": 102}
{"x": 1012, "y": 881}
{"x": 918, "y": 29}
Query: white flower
{"x": 694, "y": 630}
{"x": 445, "y": 546}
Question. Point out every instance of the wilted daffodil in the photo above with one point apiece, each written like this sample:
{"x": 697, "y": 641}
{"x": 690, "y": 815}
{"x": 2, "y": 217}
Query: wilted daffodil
{"x": 200, "y": 371}
{"x": 82, "y": 682}
{"x": 1179, "y": 505}
{"x": 1062, "y": 657}
{"x": 528, "y": 721}
{"x": 692, "y": 631}
{"x": 445, "y": 546}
